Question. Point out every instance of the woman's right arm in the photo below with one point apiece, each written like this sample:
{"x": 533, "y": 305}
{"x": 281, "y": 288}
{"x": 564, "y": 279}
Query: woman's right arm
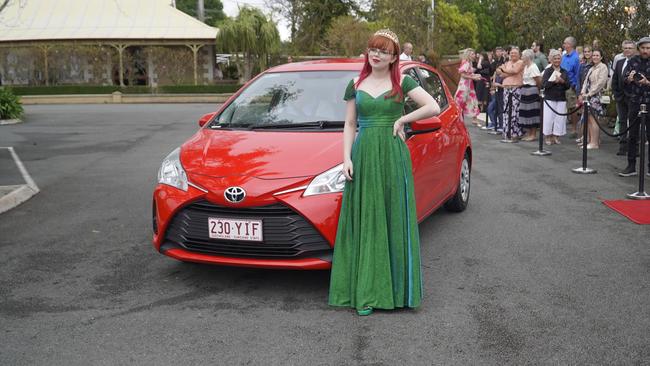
{"x": 349, "y": 132}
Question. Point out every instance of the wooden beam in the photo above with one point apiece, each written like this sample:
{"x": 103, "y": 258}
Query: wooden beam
{"x": 195, "y": 51}
{"x": 120, "y": 51}
{"x": 45, "y": 49}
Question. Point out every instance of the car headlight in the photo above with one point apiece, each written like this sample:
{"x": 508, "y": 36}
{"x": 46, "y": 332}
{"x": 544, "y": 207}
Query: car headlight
{"x": 331, "y": 181}
{"x": 171, "y": 171}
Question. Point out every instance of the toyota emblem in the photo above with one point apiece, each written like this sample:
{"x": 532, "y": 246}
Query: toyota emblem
{"x": 234, "y": 194}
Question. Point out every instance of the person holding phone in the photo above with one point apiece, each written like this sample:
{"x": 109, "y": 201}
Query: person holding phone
{"x": 637, "y": 74}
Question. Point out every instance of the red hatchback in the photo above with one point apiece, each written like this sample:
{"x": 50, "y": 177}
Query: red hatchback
{"x": 259, "y": 184}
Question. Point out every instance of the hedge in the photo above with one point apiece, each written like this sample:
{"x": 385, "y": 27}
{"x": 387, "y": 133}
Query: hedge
{"x": 108, "y": 89}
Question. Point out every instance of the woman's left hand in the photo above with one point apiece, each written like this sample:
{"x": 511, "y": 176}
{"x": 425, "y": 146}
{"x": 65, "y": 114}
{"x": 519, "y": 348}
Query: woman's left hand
{"x": 398, "y": 130}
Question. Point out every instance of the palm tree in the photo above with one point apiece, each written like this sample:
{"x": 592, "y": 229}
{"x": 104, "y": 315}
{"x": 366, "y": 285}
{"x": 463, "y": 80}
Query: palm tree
{"x": 251, "y": 35}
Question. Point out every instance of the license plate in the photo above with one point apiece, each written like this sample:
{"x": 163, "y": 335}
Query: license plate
{"x": 235, "y": 229}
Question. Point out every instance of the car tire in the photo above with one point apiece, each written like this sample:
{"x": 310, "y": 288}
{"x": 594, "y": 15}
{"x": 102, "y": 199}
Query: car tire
{"x": 459, "y": 201}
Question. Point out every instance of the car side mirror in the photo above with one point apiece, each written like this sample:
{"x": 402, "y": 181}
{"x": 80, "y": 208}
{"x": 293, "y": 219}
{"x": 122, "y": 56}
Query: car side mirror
{"x": 206, "y": 117}
{"x": 428, "y": 125}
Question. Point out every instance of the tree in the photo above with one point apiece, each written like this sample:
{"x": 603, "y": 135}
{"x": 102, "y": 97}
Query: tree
{"x": 454, "y": 30}
{"x": 310, "y": 19}
{"x": 252, "y": 35}
{"x": 611, "y": 24}
{"x": 490, "y": 17}
{"x": 3, "y": 5}
{"x": 554, "y": 21}
{"x": 290, "y": 10}
{"x": 347, "y": 36}
{"x": 213, "y": 10}
{"x": 409, "y": 19}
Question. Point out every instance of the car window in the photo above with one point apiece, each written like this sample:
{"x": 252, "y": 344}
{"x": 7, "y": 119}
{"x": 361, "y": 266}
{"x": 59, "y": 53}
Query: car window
{"x": 433, "y": 85}
{"x": 289, "y": 98}
{"x": 409, "y": 104}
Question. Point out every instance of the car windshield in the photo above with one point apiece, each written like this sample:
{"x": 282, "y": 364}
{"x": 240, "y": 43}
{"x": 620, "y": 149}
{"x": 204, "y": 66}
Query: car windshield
{"x": 289, "y": 100}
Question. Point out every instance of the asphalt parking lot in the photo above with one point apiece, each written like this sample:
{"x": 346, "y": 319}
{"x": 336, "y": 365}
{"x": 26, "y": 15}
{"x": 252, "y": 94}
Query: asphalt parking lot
{"x": 536, "y": 271}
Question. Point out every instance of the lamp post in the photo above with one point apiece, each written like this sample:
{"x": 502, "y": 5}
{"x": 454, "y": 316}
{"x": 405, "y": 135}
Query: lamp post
{"x": 432, "y": 14}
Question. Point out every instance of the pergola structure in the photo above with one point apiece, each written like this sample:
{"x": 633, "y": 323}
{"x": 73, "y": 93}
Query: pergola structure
{"x": 120, "y": 24}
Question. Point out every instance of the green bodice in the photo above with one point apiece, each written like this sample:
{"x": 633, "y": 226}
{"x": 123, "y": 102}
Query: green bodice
{"x": 379, "y": 111}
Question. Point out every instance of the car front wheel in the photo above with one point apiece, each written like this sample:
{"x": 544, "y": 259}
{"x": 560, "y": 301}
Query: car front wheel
{"x": 459, "y": 201}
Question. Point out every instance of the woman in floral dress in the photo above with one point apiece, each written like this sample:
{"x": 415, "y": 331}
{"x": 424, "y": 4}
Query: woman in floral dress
{"x": 465, "y": 94}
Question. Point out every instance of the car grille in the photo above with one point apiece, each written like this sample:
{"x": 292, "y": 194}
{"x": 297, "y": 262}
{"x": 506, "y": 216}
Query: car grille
{"x": 286, "y": 234}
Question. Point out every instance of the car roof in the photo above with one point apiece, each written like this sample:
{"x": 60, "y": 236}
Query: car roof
{"x": 331, "y": 64}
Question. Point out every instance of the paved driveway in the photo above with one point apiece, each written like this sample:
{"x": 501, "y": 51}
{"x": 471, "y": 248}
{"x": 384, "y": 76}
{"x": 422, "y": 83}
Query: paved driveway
{"x": 537, "y": 270}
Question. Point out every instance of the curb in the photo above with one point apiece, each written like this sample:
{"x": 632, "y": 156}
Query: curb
{"x": 14, "y": 195}
{"x": 17, "y": 196}
{"x": 10, "y": 121}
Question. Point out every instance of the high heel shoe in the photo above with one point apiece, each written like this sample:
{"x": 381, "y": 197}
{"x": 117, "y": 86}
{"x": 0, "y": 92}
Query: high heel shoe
{"x": 367, "y": 310}
{"x": 592, "y": 147}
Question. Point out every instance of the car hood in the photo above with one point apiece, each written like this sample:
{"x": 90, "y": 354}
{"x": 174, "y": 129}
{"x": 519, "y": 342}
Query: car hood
{"x": 261, "y": 154}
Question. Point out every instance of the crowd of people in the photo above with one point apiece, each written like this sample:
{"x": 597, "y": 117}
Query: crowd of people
{"x": 516, "y": 88}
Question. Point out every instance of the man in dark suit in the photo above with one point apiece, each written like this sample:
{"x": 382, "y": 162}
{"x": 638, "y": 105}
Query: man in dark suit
{"x": 621, "y": 95}
{"x": 637, "y": 74}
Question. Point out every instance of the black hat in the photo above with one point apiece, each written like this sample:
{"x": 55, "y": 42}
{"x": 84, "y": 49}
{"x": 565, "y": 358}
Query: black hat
{"x": 642, "y": 41}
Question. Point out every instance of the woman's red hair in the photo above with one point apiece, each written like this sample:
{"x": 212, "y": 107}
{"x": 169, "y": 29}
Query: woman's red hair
{"x": 383, "y": 43}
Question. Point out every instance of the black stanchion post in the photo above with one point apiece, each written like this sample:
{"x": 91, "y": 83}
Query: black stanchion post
{"x": 585, "y": 137}
{"x": 540, "y": 150}
{"x": 509, "y": 139}
{"x": 641, "y": 194}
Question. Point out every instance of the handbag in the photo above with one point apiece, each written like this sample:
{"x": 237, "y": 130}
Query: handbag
{"x": 605, "y": 99}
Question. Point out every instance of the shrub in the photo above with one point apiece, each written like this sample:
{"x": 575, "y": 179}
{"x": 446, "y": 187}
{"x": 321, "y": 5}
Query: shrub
{"x": 10, "y": 107}
{"x": 139, "y": 89}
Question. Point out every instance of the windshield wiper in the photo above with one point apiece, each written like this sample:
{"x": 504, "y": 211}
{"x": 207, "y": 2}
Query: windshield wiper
{"x": 319, "y": 124}
{"x": 230, "y": 125}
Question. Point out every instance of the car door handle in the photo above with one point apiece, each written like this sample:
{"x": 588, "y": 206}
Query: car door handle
{"x": 419, "y": 132}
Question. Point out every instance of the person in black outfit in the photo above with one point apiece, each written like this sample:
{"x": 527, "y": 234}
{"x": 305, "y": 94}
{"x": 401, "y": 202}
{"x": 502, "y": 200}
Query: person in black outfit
{"x": 495, "y": 107}
{"x": 622, "y": 93}
{"x": 637, "y": 76}
{"x": 482, "y": 86}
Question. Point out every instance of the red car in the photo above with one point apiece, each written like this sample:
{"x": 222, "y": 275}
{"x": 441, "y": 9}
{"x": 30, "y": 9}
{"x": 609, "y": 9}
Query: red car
{"x": 259, "y": 184}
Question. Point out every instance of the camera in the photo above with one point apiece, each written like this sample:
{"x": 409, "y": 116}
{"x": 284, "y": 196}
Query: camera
{"x": 638, "y": 76}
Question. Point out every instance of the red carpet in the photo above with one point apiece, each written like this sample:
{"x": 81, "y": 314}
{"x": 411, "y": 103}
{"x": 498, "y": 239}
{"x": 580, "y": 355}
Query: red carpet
{"x": 637, "y": 211}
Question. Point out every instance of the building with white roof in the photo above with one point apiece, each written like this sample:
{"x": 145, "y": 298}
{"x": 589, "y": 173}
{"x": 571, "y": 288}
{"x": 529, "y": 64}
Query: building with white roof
{"x": 143, "y": 37}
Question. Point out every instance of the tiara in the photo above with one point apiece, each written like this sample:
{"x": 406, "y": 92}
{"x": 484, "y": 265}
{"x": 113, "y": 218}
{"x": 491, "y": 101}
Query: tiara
{"x": 388, "y": 34}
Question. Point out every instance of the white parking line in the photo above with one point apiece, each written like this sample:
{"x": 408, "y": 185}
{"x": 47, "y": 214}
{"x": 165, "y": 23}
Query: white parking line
{"x": 19, "y": 193}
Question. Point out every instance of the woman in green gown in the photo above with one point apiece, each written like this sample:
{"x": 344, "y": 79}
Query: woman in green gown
{"x": 377, "y": 250}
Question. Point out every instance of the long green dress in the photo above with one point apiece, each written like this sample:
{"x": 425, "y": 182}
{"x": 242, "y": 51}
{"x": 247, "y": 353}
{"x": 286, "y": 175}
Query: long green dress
{"x": 377, "y": 251}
